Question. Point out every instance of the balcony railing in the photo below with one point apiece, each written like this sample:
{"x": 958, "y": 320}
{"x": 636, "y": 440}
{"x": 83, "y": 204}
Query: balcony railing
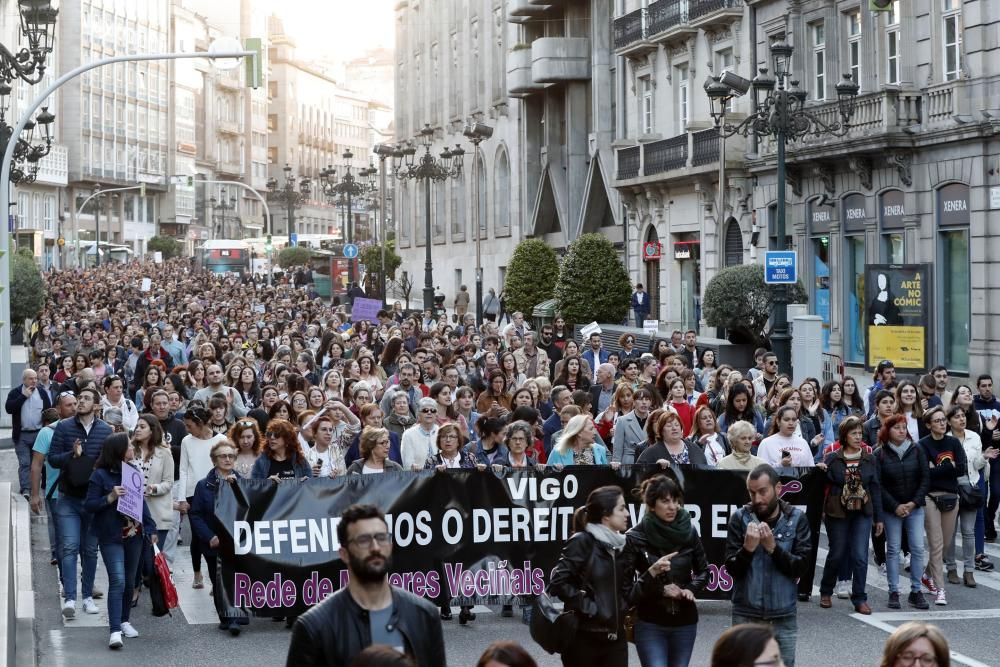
{"x": 700, "y": 8}
{"x": 666, "y": 14}
{"x": 630, "y": 28}
{"x": 704, "y": 147}
{"x": 661, "y": 156}
{"x": 629, "y": 160}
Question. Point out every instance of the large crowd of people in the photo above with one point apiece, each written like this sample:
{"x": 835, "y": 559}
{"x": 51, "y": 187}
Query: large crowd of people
{"x": 201, "y": 379}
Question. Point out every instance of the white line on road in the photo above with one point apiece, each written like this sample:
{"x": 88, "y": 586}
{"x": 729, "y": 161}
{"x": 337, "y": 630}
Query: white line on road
{"x": 957, "y": 658}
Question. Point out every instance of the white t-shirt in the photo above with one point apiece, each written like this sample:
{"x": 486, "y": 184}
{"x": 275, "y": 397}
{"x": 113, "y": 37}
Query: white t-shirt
{"x": 365, "y": 470}
{"x": 196, "y": 460}
{"x": 771, "y": 447}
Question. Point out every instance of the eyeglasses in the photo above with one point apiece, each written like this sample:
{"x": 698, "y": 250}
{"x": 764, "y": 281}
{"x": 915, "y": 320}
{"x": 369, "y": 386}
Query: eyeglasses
{"x": 912, "y": 659}
{"x": 428, "y": 411}
{"x": 939, "y": 420}
{"x": 772, "y": 363}
{"x": 225, "y": 456}
{"x": 273, "y": 434}
{"x": 366, "y": 541}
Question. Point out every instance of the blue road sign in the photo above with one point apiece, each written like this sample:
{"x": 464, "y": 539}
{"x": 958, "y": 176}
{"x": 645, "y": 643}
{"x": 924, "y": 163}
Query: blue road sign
{"x": 781, "y": 267}
{"x": 350, "y": 251}
{"x": 294, "y": 239}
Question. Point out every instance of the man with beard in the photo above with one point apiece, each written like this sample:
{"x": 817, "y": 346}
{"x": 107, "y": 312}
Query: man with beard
{"x": 767, "y": 550}
{"x": 368, "y": 610}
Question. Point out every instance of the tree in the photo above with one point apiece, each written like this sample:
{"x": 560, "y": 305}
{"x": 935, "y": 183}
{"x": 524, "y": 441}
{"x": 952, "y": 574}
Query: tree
{"x": 593, "y": 285}
{"x": 27, "y": 289}
{"x": 739, "y": 300}
{"x": 531, "y": 275}
{"x": 405, "y": 285}
{"x": 294, "y": 256}
{"x": 168, "y": 245}
{"x": 371, "y": 257}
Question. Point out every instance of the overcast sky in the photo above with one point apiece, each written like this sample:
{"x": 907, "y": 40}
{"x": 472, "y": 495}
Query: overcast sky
{"x": 341, "y": 29}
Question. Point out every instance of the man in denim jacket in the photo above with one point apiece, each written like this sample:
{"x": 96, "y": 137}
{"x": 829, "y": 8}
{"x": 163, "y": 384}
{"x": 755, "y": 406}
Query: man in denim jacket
{"x": 767, "y": 550}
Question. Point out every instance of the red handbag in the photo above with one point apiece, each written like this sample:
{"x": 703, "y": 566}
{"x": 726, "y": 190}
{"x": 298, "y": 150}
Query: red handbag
{"x": 162, "y": 570}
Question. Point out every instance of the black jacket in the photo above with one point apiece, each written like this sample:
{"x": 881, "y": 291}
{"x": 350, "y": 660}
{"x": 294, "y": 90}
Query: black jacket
{"x": 688, "y": 569}
{"x": 903, "y": 480}
{"x": 588, "y": 578}
{"x": 870, "y": 431}
{"x": 836, "y": 477}
{"x": 336, "y": 630}
{"x": 15, "y": 401}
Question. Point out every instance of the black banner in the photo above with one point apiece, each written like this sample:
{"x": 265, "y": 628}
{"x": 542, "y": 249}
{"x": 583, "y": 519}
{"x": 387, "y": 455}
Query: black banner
{"x": 475, "y": 537}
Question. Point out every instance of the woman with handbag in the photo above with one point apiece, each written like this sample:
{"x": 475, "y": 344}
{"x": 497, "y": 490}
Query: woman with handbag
{"x": 947, "y": 460}
{"x": 853, "y": 498}
{"x": 223, "y": 455}
{"x": 970, "y": 503}
{"x": 665, "y": 553}
{"x": 589, "y": 577}
{"x": 120, "y": 536}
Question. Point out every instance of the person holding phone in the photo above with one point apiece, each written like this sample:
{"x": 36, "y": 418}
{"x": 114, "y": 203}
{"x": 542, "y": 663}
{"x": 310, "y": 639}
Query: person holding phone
{"x": 666, "y": 568}
{"x": 783, "y": 448}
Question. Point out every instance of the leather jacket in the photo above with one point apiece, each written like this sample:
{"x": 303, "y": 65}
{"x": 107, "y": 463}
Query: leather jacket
{"x": 333, "y": 632}
{"x": 588, "y": 578}
{"x": 688, "y": 569}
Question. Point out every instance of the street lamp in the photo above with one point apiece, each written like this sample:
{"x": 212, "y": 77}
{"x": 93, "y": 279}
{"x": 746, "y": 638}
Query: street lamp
{"x": 38, "y": 25}
{"x": 477, "y": 133}
{"x": 346, "y": 186}
{"x": 26, "y": 153}
{"x": 429, "y": 169}
{"x": 384, "y": 152}
{"x": 778, "y": 111}
{"x": 220, "y": 210}
{"x": 291, "y": 193}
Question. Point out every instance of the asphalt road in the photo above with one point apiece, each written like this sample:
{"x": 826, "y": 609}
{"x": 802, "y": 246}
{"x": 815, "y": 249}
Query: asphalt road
{"x": 189, "y": 637}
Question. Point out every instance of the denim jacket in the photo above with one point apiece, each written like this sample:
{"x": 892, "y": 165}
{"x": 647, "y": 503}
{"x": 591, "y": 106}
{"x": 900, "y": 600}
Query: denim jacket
{"x": 765, "y": 585}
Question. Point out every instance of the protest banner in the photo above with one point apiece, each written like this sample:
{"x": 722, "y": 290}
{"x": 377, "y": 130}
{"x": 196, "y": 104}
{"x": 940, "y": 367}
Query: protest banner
{"x": 131, "y": 503}
{"x": 474, "y": 537}
{"x": 365, "y": 309}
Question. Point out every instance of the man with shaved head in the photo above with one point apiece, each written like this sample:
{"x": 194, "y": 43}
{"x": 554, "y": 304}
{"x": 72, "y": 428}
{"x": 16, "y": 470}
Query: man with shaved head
{"x": 24, "y": 405}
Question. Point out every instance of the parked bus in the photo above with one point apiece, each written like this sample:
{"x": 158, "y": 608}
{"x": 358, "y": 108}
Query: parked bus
{"x": 226, "y": 256}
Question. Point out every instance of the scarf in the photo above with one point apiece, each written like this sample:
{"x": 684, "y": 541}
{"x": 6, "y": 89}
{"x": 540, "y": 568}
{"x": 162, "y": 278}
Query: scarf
{"x": 741, "y": 458}
{"x": 901, "y": 449}
{"x": 606, "y": 536}
{"x": 667, "y": 537}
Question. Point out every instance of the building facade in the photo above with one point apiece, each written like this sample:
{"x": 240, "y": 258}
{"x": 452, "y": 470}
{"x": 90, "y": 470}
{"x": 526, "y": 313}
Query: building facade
{"x": 670, "y": 161}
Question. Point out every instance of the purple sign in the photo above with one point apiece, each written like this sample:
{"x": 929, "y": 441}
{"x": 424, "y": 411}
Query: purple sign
{"x": 131, "y": 503}
{"x": 365, "y": 309}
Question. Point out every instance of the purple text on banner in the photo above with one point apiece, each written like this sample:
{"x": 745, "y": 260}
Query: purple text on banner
{"x": 365, "y": 309}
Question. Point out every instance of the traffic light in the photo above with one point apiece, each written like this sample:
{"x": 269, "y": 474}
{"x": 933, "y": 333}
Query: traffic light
{"x": 880, "y": 5}
{"x": 267, "y": 244}
{"x": 255, "y": 63}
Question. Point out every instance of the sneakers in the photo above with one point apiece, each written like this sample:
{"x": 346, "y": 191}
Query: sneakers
{"x": 906, "y": 562}
{"x": 953, "y": 577}
{"x": 968, "y": 579}
{"x": 939, "y": 598}
{"x": 89, "y": 606}
{"x": 96, "y": 593}
{"x": 69, "y": 609}
{"x": 882, "y": 570}
{"x": 983, "y": 563}
{"x": 116, "y": 641}
{"x": 918, "y": 601}
{"x": 928, "y": 584}
{"x": 894, "y": 601}
{"x": 128, "y": 630}
{"x": 843, "y": 590}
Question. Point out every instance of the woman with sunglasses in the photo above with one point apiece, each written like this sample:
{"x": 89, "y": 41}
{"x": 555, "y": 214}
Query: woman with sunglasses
{"x": 629, "y": 350}
{"x": 223, "y": 456}
{"x": 283, "y": 458}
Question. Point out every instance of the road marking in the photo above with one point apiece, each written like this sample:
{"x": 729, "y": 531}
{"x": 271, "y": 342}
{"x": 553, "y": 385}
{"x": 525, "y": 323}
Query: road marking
{"x": 197, "y": 605}
{"x": 58, "y": 652}
{"x": 875, "y": 621}
{"x": 875, "y": 577}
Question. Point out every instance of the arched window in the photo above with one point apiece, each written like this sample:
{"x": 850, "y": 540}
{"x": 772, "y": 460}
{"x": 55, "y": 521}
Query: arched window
{"x": 458, "y": 208}
{"x": 501, "y": 189}
{"x": 482, "y": 194}
{"x": 734, "y": 243}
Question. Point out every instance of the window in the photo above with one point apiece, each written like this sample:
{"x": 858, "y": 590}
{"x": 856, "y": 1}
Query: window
{"x": 819, "y": 61}
{"x": 647, "y": 105}
{"x": 501, "y": 222}
{"x": 952, "y": 20}
{"x": 854, "y": 46}
{"x": 953, "y": 293}
{"x": 50, "y": 211}
{"x": 854, "y": 289}
{"x": 892, "y": 39}
{"x": 458, "y": 208}
{"x": 724, "y": 63}
{"x": 682, "y": 98}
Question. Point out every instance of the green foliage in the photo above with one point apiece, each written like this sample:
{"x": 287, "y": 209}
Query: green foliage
{"x": 593, "y": 284}
{"x": 739, "y": 300}
{"x": 371, "y": 257}
{"x": 293, "y": 256}
{"x": 27, "y": 289}
{"x": 168, "y": 245}
{"x": 531, "y": 275}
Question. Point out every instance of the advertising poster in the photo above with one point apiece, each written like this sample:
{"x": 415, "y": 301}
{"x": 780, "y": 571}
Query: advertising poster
{"x": 472, "y": 537}
{"x": 898, "y": 315}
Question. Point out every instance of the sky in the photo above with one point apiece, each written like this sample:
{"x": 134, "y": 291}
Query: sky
{"x": 338, "y": 29}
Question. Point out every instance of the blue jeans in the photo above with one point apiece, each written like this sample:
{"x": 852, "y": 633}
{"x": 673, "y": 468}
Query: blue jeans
{"x": 25, "y": 441}
{"x": 994, "y": 501}
{"x": 663, "y": 645}
{"x": 981, "y": 521}
{"x": 54, "y": 546}
{"x": 786, "y": 633}
{"x": 121, "y": 559}
{"x": 914, "y": 526}
{"x": 73, "y": 527}
{"x": 848, "y": 543}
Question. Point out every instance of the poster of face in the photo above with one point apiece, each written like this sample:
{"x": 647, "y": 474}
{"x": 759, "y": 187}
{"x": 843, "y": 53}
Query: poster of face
{"x": 897, "y": 313}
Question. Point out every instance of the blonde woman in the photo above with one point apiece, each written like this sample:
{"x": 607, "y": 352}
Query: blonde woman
{"x": 577, "y": 445}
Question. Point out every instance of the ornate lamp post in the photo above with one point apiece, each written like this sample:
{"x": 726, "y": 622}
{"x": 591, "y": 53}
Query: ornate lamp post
{"x": 477, "y": 133}
{"x": 347, "y": 186}
{"x": 428, "y": 170}
{"x": 220, "y": 210}
{"x": 779, "y": 111}
{"x": 291, "y": 193}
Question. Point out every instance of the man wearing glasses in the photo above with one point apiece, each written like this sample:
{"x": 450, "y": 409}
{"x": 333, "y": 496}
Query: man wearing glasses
{"x": 368, "y": 610}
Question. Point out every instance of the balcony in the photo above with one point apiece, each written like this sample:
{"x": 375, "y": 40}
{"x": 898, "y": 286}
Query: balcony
{"x": 519, "y": 80}
{"x": 53, "y": 169}
{"x": 942, "y": 102}
{"x": 630, "y": 34}
{"x": 668, "y": 21}
{"x": 694, "y": 152}
{"x": 523, "y": 11}
{"x": 229, "y": 167}
{"x": 560, "y": 59}
{"x": 229, "y": 127}
{"x": 711, "y": 13}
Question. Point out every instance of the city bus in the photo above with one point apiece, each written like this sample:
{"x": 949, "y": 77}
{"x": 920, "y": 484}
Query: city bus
{"x": 226, "y": 256}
